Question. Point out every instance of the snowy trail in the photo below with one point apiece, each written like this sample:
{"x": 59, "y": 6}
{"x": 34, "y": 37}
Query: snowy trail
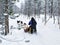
{"x": 48, "y": 34}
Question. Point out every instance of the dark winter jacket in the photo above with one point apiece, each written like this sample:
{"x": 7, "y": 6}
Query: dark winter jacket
{"x": 33, "y": 23}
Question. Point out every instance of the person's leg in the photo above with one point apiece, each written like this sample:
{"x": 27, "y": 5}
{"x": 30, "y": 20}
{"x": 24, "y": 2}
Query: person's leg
{"x": 35, "y": 30}
{"x": 31, "y": 30}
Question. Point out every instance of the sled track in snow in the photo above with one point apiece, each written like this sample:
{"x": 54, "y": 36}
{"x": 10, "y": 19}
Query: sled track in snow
{"x": 11, "y": 40}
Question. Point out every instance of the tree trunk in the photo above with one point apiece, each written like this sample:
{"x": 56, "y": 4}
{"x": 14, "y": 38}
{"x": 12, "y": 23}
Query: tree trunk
{"x": 59, "y": 22}
{"x": 52, "y": 14}
{"x": 59, "y": 13}
{"x": 6, "y": 18}
{"x": 45, "y": 11}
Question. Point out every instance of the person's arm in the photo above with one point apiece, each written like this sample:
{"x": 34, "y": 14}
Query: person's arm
{"x": 29, "y": 23}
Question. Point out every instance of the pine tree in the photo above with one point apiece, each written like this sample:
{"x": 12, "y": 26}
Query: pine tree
{"x": 6, "y": 18}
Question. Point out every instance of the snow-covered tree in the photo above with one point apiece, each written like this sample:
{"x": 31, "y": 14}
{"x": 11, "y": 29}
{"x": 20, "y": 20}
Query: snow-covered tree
{"x": 32, "y": 7}
{"x": 59, "y": 13}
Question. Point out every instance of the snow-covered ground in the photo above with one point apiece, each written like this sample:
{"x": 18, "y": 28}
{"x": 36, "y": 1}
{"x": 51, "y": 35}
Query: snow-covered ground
{"x": 48, "y": 34}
